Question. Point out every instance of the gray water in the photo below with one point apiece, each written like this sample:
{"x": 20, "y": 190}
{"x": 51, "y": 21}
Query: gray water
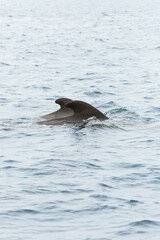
{"x": 92, "y": 182}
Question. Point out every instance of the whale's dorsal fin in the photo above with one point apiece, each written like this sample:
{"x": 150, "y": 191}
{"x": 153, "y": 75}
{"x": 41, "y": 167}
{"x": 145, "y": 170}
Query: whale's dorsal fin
{"x": 63, "y": 101}
{"x": 84, "y": 109}
{"x": 63, "y": 112}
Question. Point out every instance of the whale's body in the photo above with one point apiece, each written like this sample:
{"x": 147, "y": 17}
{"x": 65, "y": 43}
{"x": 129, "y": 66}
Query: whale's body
{"x": 72, "y": 112}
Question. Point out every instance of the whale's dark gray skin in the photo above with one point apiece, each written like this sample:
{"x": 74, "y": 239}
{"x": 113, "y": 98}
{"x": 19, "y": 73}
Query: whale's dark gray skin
{"x": 72, "y": 112}
{"x": 62, "y": 112}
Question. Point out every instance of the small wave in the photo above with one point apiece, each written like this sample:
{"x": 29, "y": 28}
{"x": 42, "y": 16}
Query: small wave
{"x": 8, "y": 167}
{"x": 123, "y": 233}
{"x": 105, "y": 185}
{"x": 133, "y": 202}
{"x": 3, "y": 100}
{"x": 99, "y": 196}
{"x": 78, "y": 190}
{"x": 92, "y": 166}
{"x": 10, "y": 124}
{"x": 46, "y": 173}
{"x": 90, "y": 73}
{"x": 100, "y": 40}
{"x": 111, "y": 103}
{"x": 10, "y": 161}
{"x": 20, "y": 212}
{"x": 4, "y": 64}
{"x": 95, "y": 123}
{"x": 93, "y": 93}
{"x": 105, "y": 14}
{"x": 118, "y": 48}
{"x": 127, "y": 118}
{"x": 38, "y": 191}
{"x": 91, "y": 210}
{"x": 118, "y": 110}
{"x": 147, "y": 120}
{"x": 129, "y": 165}
{"x": 155, "y": 109}
{"x": 145, "y": 223}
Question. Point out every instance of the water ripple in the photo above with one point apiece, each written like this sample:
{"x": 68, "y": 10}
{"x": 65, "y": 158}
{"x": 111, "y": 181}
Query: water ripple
{"x": 145, "y": 223}
{"x": 96, "y": 180}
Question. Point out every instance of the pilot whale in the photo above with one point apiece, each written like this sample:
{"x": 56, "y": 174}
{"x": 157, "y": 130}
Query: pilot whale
{"x": 71, "y": 112}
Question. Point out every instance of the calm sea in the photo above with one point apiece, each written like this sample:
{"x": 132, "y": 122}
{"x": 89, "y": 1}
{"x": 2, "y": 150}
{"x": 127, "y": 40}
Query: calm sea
{"x": 101, "y": 181}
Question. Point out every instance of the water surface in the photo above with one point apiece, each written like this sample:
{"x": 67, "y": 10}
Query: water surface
{"x": 95, "y": 182}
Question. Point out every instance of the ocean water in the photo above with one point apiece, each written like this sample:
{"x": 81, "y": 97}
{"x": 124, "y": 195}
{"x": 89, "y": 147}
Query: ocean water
{"x": 100, "y": 181}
